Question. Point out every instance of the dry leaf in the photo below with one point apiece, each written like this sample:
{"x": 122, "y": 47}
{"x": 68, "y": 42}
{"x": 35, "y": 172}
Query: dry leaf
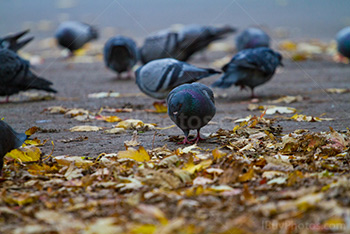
{"x": 139, "y": 155}
{"x": 85, "y": 128}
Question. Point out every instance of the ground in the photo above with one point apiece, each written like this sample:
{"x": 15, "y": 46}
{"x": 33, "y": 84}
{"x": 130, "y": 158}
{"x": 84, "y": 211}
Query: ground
{"x": 166, "y": 208}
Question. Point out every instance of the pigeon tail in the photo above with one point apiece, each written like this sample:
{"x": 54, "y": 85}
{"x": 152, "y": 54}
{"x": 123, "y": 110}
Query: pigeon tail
{"x": 94, "y": 32}
{"x": 41, "y": 84}
{"x": 18, "y": 45}
{"x": 12, "y": 40}
{"x": 226, "y": 81}
{"x": 20, "y": 138}
{"x": 226, "y": 29}
{"x": 213, "y": 71}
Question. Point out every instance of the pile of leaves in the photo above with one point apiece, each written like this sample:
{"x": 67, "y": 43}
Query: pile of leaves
{"x": 257, "y": 180}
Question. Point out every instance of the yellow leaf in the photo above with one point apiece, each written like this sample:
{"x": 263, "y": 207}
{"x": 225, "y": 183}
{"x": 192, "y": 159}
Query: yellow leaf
{"x": 77, "y": 160}
{"x": 171, "y": 126}
{"x": 288, "y": 45}
{"x": 35, "y": 142}
{"x": 160, "y": 107}
{"x": 139, "y": 155}
{"x": 191, "y": 168}
{"x": 25, "y": 154}
{"x": 109, "y": 119}
{"x": 31, "y": 131}
{"x": 130, "y": 124}
{"x": 144, "y": 229}
{"x": 20, "y": 199}
{"x": 84, "y": 128}
{"x": 247, "y": 176}
{"x": 218, "y": 154}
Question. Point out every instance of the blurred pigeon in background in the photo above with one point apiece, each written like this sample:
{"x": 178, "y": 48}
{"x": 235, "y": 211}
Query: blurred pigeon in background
{"x": 252, "y": 38}
{"x": 11, "y": 41}
{"x": 15, "y": 75}
{"x": 157, "y": 78}
{"x": 191, "y": 106}
{"x": 250, "y": 67}
{"x": 181, "y": 45}
{"x": 9, "y": 140}
{"x": 343, "y": 41}
{"x": 120, "y": 54}
{"x": 73, "y": 35}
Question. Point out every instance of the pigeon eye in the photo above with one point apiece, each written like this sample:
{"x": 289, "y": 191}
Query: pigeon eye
{"x": 180, "y": 105}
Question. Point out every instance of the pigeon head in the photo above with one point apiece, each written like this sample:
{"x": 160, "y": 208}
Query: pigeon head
{"x": 178, "y": 104}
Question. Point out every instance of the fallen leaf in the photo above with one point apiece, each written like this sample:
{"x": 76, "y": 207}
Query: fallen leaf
{"x": 288, "y": 99}
{"x": 337, "y": 90}
{"x": 104, "y": 95}
{"x": 160, "y": 107}
{"x": 139, "y": 155}
{"x": 85, "y": 128}
{"x": 25, "y": 154}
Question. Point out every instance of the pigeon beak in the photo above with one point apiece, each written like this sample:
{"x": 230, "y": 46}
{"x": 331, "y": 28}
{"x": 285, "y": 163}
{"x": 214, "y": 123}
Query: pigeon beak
{"x": 175, "y": 112}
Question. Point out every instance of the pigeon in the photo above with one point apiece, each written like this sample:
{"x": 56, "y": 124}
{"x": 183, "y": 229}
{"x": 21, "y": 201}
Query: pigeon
{"x": 73, "y": 35}
{"x": 10, "y": 42}
{"x": 9, "y": 140}
{"x": 158, "y": 77}
{"x": 15, "y": 75}
{"x": 343, "y": 41}
{"x": 191, "y": 106}
{"x": 120, "y": 54}
{"x": 183, "y": 44}
{"x": 250, "y": 67}
{"x": 252, "y": 38}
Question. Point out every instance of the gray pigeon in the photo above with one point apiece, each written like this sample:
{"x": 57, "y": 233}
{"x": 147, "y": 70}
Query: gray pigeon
{"x": 252, "y": 38}
{"x": 250, "y": 67}
{"x": 183, "y": 44}
{"x": 11, "y": 41}
{"x": 191, "y": 106}
{"x": 120, "y": 54}
{"x": 73, "y": 35}
{"x": 9, "y": 140}
{"x": 157, "y": 78}
{"x": 343, "y": 41}
{"x": 15, "y": 75}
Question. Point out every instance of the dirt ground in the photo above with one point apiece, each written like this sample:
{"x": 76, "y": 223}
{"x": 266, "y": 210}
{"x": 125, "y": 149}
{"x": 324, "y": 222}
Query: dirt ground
{"x": 74, "y": 81}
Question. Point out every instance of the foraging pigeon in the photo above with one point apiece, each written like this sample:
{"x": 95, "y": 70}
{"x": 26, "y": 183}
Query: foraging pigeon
{"x": 343, "y": 41}
{"x": 182, "y": 44}
{"x": 157, "y": 78}
{"x": 120, "y": 54}
{"x": 9, "y": 140}
{"x": 10, "y": 42}
{"x": 73, "y": 35}
{"x": 250, "y": 67}
{"x": 252, "y": 38}
{"x": 191, "y": 106}
{"x": 15, "y": 75}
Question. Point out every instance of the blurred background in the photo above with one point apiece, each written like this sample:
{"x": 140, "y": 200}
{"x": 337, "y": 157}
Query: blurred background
{"x": 137, "y": 18}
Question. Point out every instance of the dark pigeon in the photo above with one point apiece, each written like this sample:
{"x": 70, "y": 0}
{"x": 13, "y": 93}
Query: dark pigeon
{"x": 183, "y": 44}
{"x": 9, "y": 140}
{"x": 15, "y": 75}
{"x": 157, "y": 78}
{"x": 73, "y": 35}
{"x": 11, "y": 41}
{"x": 250, "y": 67}
{"x": 120, "y": 54}
{"x": 252, "y": 38}
{"x": 343, "y": 41}
{"x": 191, "y": 107}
